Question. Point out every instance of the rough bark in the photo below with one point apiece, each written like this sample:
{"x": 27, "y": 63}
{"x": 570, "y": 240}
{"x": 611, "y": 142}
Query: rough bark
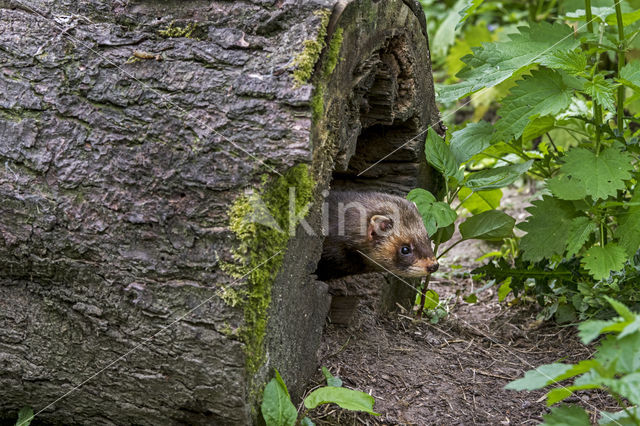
{"x": 127, "y": 130}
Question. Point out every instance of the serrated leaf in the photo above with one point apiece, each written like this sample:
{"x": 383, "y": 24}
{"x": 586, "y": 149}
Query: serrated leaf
{"x": 599, "y": 176}
{"x": 493, "y": 63}
{"x": 473, "y": 37}
{"x": 601, "y": 261}
{"x": 538, "y": 126}
{"x": 621, "y": 353}
{"x": 25, "y": 416}
{"x": 628, "y": 232}
{"x": 346, "y": 398}
{"x": 630, "y": 75}
{"x": 497, "y": 177}
{"x": 580, "y": 229}
{"x": 331, "y": 379}
{"x": 621, "y": 309}
{"x": 589, "y": 330}
{"x": 277, "y": 408}
{"x": 439, "y": 155}
{"x": 471, "y": 140}
{"x": 542, "y": 93}
{"x": 547, "y": 228}
{"x": 492, "y": 225}
{"x": 572, "y": 61}
{"x": 540, "y": 377}
{"x": 601, "y": 90}
{"x": 628, "y": 387}
{"x": 479, "y": 201}
{"x": 435, "y": 214}
{"x": 567, "y": 415}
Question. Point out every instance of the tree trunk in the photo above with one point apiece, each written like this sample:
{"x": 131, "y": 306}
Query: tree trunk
{"x": 141, "y": 142}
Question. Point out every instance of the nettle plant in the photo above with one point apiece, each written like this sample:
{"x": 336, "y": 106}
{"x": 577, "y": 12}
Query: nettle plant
{"x": 614, "y": 369}
{"x": 566, "y": 121}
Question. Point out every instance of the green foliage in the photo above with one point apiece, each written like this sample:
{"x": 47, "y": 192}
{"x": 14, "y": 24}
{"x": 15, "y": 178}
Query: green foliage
{"x": 278, "y": 410}
{"x": 25, "y": 416}
{"x": 614, "y": 368}
{"x": 566, "y": 97}
{"x": 305, "y": 61}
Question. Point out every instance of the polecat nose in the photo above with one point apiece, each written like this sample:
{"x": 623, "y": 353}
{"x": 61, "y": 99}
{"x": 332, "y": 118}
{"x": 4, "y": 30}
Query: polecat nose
{"x": 433, "y": 267}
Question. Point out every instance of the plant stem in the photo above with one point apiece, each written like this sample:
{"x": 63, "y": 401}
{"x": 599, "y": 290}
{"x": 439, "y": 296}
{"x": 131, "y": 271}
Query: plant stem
{"x": 587, "y": 8}
{"x": 449, "y": 248}
{"x": 621, "y": 55}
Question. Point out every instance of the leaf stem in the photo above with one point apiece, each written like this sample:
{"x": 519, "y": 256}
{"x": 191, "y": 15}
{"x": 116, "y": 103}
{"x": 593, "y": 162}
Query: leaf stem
{"x": 587, "y": 8}
{"x": 621, "y": 60}
{"x": 450, "y": 247}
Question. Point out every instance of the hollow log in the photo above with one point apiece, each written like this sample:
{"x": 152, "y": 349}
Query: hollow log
{"x": 151, "y": 270}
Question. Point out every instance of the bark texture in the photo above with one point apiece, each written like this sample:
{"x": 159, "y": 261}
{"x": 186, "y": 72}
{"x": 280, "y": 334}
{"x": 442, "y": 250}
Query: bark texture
{"x": 127, "y": 130}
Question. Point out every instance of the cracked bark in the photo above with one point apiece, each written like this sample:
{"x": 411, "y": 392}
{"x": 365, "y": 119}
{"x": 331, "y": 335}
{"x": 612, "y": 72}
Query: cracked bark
{"x": 116, "y": 176}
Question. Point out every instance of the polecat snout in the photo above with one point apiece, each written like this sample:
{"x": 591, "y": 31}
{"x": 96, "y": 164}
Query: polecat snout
{"x": 372, "y": 231}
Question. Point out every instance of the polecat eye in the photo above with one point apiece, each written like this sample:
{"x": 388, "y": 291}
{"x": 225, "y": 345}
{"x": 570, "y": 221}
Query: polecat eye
{"x": 405, "y": 249}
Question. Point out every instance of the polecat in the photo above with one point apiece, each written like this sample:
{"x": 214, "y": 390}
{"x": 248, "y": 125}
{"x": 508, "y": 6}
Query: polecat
{"x": 372, "y": 231}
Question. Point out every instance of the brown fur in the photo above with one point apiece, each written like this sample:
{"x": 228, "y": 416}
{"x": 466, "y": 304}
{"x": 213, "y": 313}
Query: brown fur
{"x": 367, "y": 244}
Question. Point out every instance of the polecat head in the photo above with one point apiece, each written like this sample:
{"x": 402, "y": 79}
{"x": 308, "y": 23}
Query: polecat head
{"x": 398, "y": 240}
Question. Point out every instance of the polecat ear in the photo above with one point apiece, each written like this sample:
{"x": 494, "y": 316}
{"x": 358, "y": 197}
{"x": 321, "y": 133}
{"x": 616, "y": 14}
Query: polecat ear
{"x": 379, "y": 225}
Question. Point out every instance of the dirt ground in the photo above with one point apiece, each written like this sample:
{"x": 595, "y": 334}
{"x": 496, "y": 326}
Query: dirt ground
{"x": 452, "y": 372}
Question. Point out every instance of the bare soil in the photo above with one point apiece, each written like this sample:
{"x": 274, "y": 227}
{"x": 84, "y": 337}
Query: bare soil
{"x": 452, "y": 372}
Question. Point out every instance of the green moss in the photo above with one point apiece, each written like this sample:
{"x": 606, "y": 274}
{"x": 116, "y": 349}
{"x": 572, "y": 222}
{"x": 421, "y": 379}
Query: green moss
{"x": 173, "y": 31}
{"x": 261, "y": 251}
{"x": 333, "y": 56}
{"x": 307, "y": 59}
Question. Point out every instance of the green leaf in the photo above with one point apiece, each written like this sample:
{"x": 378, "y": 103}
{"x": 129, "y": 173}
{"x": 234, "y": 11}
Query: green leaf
{"x": 493, "y": 63}
{"x": 627, "y": 18}
{"x": 540, "y": 377}
{"x": 25, "y": 416}
{"x": 435, "y": 214}
{"x": 445, "y": 35}
{"x": 628, "y": 232}
{"x": 471, "y": 140}
{"x": 599, "y": 176}
{"x": 601, "y": 90}
{"x": 492, "y": 225}
{"x": 470, "y": 6}
{"x": 620, "y": 418}
{"x": 479, "y": 201}
{"x": 331, "y": 379}
{"x": 629, "y": 387}
{"x": 580, "y": 229}
{"x": 538, "y": 126}
{"x": 630, "y": 75}
{"x": 276, "y": 407}
{"x": 542, "y": 93}
{"x": 443, "y": 234}
{"x": 567, "y": 415}
{"x": 621, "y": 309}
{"x": 431, "y": 299}
{"x": 589, "y": 330}
{"x": 504, "y": 290}
{"x": 622, "y": 355}
{"x": 440, "y": 156}
{"x": 572, "y": 61}
{"x": 547, "y": 228}
{"x": 599, "y": 14}
{"x": 306, "y": 421}
{"x": 498, "y": 177}
{"x": 473, "y": 37}
{"x": 345, "y": 398}
{"x": 601, "y": 261}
